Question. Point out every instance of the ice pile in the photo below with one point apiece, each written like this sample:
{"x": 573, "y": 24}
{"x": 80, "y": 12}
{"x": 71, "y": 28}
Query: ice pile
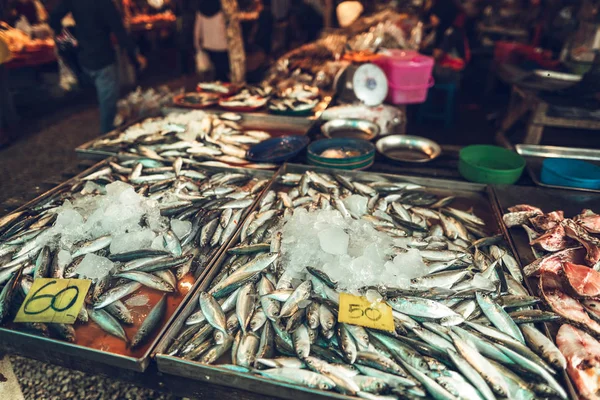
{"x": 94, "y": 267}
{"x": 179, "y": 122}
{"x": 351, "y": 251}
{"x": 132, "y": 220}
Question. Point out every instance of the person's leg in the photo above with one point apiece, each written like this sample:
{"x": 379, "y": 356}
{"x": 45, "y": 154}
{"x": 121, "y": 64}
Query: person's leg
{"x": 220, "y": 61}
{"x": 106, "y": 81}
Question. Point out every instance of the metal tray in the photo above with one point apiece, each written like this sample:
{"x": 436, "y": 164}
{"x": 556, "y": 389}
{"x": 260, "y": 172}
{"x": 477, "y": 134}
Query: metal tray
{"x": 535, "y": 155}
{"x": 274, "y": 124}
{"x": 548, "y": 200}
{"x": 326, "y": 100}
{"x": 49, "y": 350}
{"x": 474, "y": 194}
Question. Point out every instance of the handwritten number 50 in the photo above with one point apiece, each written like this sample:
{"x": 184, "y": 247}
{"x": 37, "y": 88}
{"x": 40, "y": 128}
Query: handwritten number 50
{"x": 357, "y": 312}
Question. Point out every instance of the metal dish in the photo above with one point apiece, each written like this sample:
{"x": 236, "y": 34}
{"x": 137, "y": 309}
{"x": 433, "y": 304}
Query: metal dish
{"x": 414, "y": 149}
{"x": 561, "y": 76}
{"x": 536, "y": 154}
{"x": 350, "y": 128}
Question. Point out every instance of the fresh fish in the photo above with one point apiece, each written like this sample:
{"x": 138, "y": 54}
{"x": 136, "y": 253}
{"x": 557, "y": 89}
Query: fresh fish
{"x": 499, "y": 317}
{"x": 213, "y": 312}
{"x": 582, "y": 354}
{"x": 116, "y": 293}
{"x": 108, "y": 323}
{"x": 491, "y": 375}
{"x": 151, "y": 322}
{"x": 302, "y": 292}
{"x": 148, "y": 280}
{"x": 544, "y": 347}
{"x": 245, "y": 305}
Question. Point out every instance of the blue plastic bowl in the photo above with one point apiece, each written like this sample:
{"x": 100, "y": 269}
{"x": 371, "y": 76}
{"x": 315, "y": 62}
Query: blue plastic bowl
{"x": 571, "y": 173}
{"x": 277, "y": 149}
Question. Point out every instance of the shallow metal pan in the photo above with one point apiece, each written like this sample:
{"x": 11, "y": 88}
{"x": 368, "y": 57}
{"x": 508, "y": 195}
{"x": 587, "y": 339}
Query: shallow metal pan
{"x": 469, "y": 194}
{"x": 535, "y": 155}
{"x": 49, "y": 349}
{"x": 548, "y": 200}
{"x": 274, "y": 124}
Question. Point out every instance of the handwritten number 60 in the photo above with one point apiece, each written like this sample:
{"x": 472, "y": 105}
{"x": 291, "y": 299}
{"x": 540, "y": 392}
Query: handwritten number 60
{"x": 53, "y": 297}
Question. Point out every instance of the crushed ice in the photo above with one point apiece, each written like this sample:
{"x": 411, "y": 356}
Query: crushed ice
{"x": 134, "y": 222}
{"x": 94, "y": 267}
{"x": 351, "y": 251}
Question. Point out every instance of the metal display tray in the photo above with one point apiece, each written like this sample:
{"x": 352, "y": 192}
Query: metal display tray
{"x": 535, "y": 155}
{"x": 326, "y": 101}
{"x": 475, "y": 195}
{"x": 548, "y": 200}
{"x": 51, "y": 350}
{"x": 274, "y": 124}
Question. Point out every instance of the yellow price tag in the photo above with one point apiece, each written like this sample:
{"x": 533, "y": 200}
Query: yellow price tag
{"x": 357, "y": 310}
{"x": 54, "y": 300}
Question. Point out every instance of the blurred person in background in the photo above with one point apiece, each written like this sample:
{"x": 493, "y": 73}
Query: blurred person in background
{"x": 8, "y": 115}
{"x": 33, "y": 10}
{"x": 306, "y": 22}
{"x": 96, "y": 20}
{"x": 210, "y": 35}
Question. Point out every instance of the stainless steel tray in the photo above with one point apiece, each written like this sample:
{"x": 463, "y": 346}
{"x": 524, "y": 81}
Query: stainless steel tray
{"x": 326, "y": 100}
{"x": 49, "y": 350}
{"x": 535, "y": 155}
{"x": 475, "y": 195}
{"x": 274, "y": 124}
{"x": 548, "y": 200}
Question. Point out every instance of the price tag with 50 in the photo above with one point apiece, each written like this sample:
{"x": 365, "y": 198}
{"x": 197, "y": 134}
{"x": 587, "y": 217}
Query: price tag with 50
{"x": 358, "y": 310}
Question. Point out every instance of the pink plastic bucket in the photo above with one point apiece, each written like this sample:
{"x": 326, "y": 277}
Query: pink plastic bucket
{"x": 408, "y": 74}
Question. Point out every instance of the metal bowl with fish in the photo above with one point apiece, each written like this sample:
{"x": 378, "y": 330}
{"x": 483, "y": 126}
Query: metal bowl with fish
{"x": 342, "y": 153}
{"x": 196, "y": 100}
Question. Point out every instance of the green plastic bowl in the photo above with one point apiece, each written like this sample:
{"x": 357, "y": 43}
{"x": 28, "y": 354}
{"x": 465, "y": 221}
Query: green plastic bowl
{"x": 490, "y": 164}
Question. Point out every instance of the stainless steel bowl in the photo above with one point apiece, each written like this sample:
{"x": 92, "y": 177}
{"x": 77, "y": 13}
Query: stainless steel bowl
{"x": 350, "y": 128}
{"x": 406, "y": 148}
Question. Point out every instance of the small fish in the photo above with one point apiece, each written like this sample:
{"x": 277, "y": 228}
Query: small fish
{"x": 213, "y": 312}
{"x": 151, "y": 323}
{"x": 108, "y": 323}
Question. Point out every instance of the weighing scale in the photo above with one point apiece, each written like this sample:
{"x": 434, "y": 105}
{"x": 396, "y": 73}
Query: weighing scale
{"x": 365, "y": 83}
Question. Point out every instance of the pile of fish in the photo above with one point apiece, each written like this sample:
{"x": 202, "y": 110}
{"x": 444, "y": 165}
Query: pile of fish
{"x": 200, "y": 138}
{"x": 296, "y": 98}
{"x": 196, "y": 100}
{"x": 283, "y": 104}
{"x": 215, "y": 87}
{"x": 567, "y": 261}
{"x": 249, "y": 97}
{"x": 188, "y": 213}
{"x": 464, "y": 330}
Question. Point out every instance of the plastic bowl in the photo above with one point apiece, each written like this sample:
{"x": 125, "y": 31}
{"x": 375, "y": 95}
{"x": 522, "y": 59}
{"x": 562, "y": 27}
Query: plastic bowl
{"x": 363, "y": 159}
{"x": 277, "y": 149}
{"x": 571, "y": 173}
{"x": 490, "y": 164}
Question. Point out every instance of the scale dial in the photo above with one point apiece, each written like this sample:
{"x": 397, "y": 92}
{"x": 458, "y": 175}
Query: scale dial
{"x": 370, "y": 84}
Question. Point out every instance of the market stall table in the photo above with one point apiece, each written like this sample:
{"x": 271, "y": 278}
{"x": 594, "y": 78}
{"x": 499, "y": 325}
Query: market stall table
{"x": 526, "y": 88}
{"x": 45, "y": 55}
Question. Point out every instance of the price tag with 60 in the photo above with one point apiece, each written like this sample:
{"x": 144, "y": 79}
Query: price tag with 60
{"x": 358, "y": 310}
{"x": 54, "y": 300}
